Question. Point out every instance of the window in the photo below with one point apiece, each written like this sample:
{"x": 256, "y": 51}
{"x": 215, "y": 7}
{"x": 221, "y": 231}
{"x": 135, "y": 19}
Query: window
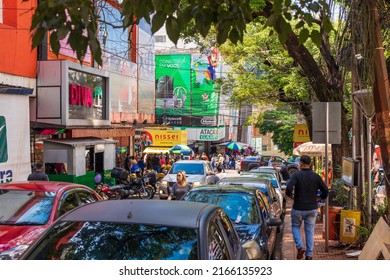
{"x": 230, "y": 233}
{"x": 86, "y": 197}
{"x": 216, "y": 246}
{"x": 68, "y": 202}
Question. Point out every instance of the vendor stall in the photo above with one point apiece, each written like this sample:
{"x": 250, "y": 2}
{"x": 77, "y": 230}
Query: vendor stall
{"x": 79, "y": 159}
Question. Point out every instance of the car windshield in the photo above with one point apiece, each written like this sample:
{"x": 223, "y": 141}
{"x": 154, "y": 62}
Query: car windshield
{"x": 189, "y": 168}
{"x": 114, "y": 241}
{"x": 20, "y": 207}
{"x": 241, "y": 208}
{"x": 270, "y": 176}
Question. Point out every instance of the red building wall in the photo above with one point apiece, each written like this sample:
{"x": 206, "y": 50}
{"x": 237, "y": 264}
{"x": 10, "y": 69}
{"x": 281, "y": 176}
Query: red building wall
{"x": 16, "y": 56}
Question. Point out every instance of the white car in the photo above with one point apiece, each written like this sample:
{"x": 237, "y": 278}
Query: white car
{"x": 196, "y": 173}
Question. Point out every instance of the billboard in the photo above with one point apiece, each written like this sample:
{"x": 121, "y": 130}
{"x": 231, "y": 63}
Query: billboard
{"x": 185, "y": 89}
{"x": 173, "y": 85}
{"x": 205, "y": 100}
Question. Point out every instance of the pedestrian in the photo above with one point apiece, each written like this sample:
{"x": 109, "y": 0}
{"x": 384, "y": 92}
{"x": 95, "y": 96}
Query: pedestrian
{"x": 271, "y": 161}
{"x": 220, "y": 172}
{"x": 38, "y": 174}
{"x": 303, "y": 187}
{"x": 180, "y": 188}
{"x": 134, "y": 166}
{"x": 128, "y": 162}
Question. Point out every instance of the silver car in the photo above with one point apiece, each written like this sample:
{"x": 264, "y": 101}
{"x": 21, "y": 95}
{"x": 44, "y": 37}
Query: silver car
{"x": 197, "y": 172}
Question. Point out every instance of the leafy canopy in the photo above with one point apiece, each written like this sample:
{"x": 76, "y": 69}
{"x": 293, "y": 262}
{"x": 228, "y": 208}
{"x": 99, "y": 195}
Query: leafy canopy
{"x": 78, "y": 20}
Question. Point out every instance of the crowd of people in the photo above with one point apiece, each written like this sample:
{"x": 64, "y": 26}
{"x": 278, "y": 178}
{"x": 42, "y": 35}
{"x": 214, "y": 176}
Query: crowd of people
{"x": 161, "y": 162}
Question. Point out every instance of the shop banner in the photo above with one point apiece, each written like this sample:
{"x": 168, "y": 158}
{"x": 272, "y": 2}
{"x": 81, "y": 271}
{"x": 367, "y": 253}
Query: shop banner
{"x": 163, "y": 138}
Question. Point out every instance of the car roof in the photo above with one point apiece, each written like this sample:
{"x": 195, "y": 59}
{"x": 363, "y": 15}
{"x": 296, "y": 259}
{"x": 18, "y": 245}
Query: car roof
{"x": 264, "y": 170}
{"x": 245, "y": 178}
{"x": 190, "y": 161}
{"x": 46, "y": 186}
{"x": 225, "y": 188}
{"x": 151, "y": 212}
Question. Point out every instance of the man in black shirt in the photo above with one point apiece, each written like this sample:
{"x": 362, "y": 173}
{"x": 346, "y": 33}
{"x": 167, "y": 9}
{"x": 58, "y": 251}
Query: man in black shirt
{"x": 303, "y": 187}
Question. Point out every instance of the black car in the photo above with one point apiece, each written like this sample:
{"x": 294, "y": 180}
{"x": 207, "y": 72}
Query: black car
{"x": 252, "y": 162}
{"x": 140, "y": 230}
{"x": 247, "y": 209}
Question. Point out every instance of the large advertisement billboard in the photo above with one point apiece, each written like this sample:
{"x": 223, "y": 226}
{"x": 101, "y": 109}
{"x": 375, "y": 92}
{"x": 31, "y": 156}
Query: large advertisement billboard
{"x": 173, "y": 88}
{"x": 185, "y": 89}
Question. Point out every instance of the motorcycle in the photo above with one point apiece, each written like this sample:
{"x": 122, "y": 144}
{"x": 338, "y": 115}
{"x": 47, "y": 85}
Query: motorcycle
{"x": 128, "y": 185}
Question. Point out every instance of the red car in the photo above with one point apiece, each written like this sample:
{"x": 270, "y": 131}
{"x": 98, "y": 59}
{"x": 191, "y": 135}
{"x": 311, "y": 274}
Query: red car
{"x": 28, "y": 208}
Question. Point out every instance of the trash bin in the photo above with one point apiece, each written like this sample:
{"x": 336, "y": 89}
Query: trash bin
{"x": 333, "y": 223}
{"x": 349, "y": 222}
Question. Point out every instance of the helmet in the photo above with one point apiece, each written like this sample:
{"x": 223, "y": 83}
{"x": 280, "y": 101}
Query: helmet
{"x": 98, "y": 178}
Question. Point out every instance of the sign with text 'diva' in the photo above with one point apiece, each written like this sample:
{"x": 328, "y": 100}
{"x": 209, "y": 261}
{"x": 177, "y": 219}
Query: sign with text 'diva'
{"x": 319, "y": 112}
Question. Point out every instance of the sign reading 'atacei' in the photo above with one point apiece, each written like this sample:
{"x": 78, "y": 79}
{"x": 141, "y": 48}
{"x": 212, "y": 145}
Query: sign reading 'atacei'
{"x": 208, "y": 134}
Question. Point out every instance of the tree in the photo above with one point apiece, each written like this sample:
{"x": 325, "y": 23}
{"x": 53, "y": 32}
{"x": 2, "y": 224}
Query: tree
{"x": 281, "y": 124}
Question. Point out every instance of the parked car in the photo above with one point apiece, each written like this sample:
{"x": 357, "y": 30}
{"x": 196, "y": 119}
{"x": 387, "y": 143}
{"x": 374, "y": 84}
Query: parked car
{"x": 247, "y": 209}
{"x": 140, "y": 230}
{"x": 274, "y": 179}
{"x": 251, "y": 162}
{"x": 197, "y": 172}
{"x": 264, "y": 185}
{"x": 28, "y": 208}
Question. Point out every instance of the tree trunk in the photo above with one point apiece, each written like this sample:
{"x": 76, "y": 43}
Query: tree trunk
{"x": 382, "y": 101}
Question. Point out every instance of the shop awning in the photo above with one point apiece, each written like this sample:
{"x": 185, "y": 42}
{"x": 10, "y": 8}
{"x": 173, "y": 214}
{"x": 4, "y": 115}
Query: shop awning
{"x": 156, "y": 150}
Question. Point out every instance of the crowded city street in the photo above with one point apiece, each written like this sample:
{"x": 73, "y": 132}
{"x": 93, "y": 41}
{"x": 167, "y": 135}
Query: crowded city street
{"x": 151, "y": 138}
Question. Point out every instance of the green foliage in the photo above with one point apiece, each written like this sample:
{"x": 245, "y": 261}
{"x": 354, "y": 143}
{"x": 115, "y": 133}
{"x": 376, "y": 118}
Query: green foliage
{"x": 78, "y": 20}
{"x": 281, "y": 124}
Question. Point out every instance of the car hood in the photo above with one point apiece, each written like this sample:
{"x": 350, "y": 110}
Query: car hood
{"x": 11, "y": 236}
{"x": 247, "y": 232}
{"x": 190, "y": 178}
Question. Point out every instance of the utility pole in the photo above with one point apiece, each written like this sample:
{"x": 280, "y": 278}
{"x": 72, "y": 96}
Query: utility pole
{"x": 382, "y": 98}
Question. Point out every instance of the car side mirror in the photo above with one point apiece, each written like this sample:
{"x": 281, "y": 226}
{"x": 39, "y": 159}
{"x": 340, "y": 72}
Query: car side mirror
{"x": 273, "y": 222}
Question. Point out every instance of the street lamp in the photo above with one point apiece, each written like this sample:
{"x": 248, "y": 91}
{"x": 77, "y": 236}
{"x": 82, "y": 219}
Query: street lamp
{"x": 365, "y": 102}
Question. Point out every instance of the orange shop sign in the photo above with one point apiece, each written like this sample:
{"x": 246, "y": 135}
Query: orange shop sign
{"x": 168, "y": 138}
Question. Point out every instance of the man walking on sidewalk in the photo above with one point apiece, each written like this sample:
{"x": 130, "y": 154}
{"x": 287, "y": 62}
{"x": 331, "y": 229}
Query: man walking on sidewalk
{"x": 303, "y": 187}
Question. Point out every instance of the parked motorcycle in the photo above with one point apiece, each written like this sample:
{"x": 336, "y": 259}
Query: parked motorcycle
{"x": 128, "y": 185}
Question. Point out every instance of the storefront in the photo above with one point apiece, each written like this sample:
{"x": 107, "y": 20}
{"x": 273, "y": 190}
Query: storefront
{"x": 72, "y": 103}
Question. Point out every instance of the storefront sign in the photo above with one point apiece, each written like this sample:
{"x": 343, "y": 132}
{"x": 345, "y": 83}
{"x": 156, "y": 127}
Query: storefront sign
{"x": 86, "y": 93}
{"x": 79, "y": 95}
{"x": 167, "y": 138}
{"x": 208, "y": 134}
{"x": 205, "y": 134}
{"x": 301, "y": 133}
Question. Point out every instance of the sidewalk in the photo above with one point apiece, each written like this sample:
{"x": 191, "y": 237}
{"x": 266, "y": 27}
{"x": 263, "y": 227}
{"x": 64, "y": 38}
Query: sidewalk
{"x": 335, "y": 250}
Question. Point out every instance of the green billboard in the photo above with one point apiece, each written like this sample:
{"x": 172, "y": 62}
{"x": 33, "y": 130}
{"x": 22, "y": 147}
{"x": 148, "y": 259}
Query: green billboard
{"x": 173, "y": 85}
